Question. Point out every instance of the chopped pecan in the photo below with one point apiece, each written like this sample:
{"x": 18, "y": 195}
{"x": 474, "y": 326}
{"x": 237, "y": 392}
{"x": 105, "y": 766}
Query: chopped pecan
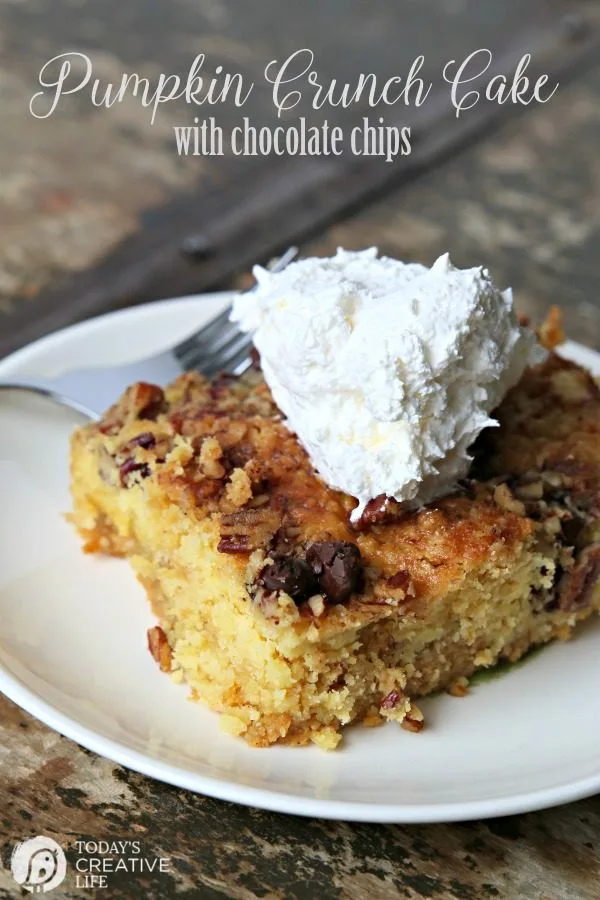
{"x": 220, "y": 385}
{"x": 391, "y": 700}
{"x": 459, "y": 688}
{"x": 158, "y": 646}
{"x": 107, "y": 468}
{"x": 144, "y": 401}
{"x": 381, "y": 510}
{"x": 401, "y": 580}
{"x": 146, "y": 440}
{"x": 129, "y": 467}
{"x": 374, "y": 512}
{"x": 233, "y": 543}
{"x": 576, "y": 588}
{"x": 409, "y": 723}
{"x": 257, "y": 526}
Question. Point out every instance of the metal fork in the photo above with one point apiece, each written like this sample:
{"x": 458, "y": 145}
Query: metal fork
{"x": 217, "y": 346}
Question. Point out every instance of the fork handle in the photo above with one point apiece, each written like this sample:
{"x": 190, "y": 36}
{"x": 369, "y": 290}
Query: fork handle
{"x": 91, "y": 391}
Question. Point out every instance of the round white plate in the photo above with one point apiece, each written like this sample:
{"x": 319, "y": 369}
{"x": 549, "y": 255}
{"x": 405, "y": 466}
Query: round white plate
{"x": 73, "y": 651}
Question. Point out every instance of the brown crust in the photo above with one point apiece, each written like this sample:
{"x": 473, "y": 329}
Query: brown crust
{"x": 220, "y": 449}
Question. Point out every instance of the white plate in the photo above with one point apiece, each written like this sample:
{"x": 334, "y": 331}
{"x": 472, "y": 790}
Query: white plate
{"x": 73, "y": 652}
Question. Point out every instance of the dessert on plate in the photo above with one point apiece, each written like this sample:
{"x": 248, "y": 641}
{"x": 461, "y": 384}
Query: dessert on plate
{"x": 404, "y": 489}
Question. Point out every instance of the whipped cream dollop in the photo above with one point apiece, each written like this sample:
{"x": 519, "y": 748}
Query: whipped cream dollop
{"x": 386, "y": 371}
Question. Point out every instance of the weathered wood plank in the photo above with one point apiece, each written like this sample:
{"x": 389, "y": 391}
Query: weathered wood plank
{"x": 101, "y": 181}
{"x": 51, "y": 786}
{"x": 525, "y": 201}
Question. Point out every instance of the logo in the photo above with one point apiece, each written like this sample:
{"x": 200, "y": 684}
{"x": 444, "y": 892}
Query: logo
{"x": 38, "y": 865}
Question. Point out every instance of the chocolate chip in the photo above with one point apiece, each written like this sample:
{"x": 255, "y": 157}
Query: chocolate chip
{"x": 291, "y": 575}
{"x": 571, "y": 530}
{"x": 129, "y": 466}
{"x": 145, "y": 440}
{"x": 338, "y": 568}
{"x": 281, "y": 544}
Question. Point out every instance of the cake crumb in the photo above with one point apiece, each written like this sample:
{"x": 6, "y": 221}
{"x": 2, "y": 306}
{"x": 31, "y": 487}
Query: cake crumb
{"x": 232, "y": 725}
{"x": 551, "y": 333}
{"x": 210, "y": 454}
{"x": 459, "y": 688}
{"x": 239, "y": 488}
{"x": 372, "y": 720}
{"x": 326, "y": 738}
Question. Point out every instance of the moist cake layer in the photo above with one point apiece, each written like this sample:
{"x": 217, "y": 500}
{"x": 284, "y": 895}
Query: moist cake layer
{"x": 290, "y": 620}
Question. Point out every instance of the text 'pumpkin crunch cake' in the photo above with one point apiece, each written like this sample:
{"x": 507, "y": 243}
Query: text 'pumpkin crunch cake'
{"x": 291, "y": 615}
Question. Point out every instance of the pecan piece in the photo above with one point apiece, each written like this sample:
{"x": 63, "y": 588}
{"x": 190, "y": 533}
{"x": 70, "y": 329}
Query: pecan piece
{"x": 380, "y": 511}
{"x": 146, "y": 440}
{"x": 158, "y": 646}
{"x": 391, "y": 700}
{"x": 401, "y": 580}
{"x": 257, "y": 526}
{"x": 129, "y": 467}
{"x": 233, "y": 543}
{"x": 409, "y": 723}
{"x": 576, "y": 587}
{"x": 144, "y": 400}
{"x": 374, "y": 512}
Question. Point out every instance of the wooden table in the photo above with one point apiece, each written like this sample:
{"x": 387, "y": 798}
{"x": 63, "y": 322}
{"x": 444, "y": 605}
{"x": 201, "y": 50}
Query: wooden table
{"x": 79, "y": 208}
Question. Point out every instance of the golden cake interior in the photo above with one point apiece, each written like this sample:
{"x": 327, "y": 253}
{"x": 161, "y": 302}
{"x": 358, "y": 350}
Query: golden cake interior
{"x": 287, "y": 619}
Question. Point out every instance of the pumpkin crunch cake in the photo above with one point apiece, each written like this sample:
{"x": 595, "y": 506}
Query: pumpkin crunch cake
{"x": 291, "y": 619}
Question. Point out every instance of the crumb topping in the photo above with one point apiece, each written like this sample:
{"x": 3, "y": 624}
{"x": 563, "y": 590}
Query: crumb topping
{"x": 220, "y": 449}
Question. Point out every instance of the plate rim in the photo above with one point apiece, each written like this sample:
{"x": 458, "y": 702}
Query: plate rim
{"x": 229, "y": 790}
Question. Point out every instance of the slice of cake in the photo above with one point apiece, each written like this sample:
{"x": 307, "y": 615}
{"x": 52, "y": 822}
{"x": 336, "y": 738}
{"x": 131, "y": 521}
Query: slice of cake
{"x": 291, "y": 617}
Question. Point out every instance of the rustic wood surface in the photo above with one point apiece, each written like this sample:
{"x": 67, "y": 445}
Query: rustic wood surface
{"x": 95, "y": 204}
{"x": 526, "y": 201}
